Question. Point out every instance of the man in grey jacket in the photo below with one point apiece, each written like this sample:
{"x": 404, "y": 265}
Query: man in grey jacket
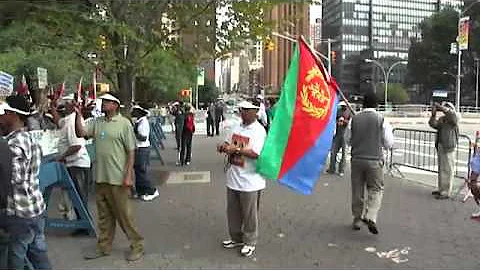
{"x": 445, "y": 143}
{"x": 370, "y": 133}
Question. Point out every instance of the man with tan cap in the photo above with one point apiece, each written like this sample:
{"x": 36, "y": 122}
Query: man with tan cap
{"x": 115, "y": 155}
{"x": 445, "y": 143}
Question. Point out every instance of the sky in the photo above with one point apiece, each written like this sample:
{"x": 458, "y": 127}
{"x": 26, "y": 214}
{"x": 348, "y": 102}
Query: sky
{"x": 315, "y": 12}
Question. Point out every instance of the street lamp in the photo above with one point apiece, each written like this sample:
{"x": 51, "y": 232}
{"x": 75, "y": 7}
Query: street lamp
{"x": 459, "y": 55}
{"x": 386, "y": 73}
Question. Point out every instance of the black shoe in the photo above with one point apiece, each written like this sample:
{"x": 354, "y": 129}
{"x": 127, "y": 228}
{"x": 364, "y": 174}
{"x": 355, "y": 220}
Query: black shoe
{"x": 372, "y": 227}
{"x": 81, "y": 232}
{"x": 331, "y": 171}
{"x": 436, "y": 193}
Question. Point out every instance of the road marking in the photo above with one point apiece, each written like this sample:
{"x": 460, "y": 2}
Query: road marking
{"x": 195, "y": 177}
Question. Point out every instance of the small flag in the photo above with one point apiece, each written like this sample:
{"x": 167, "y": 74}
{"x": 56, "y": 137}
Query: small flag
{"x": 79, "y": 90}
{"x": 22, "y": 87}
{"x": 301, "y": 133}
{"x": 60, "y": 91}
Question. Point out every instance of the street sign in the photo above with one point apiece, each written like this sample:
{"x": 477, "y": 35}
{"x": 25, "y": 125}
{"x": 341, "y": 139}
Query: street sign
{"x": 42, "y": 78}
{"x": 453, "y": 48}
{"x": 463, "y": 29}
{"x": 6, "y": 84}
{"x": 201, "y": 76}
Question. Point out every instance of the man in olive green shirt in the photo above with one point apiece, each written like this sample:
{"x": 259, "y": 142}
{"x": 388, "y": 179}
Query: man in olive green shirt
{"x": 115, "y": 153}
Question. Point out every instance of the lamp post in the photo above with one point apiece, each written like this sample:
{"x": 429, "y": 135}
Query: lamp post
{"x": 94, "y": 78}
{"x": 386, "y": 73}
{"x": 476, "y": 82}
{"x": 459, "y": 55}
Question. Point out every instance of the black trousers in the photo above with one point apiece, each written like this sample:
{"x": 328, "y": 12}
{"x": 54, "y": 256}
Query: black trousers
{"x": 210, "y": 126}
{"x": 217, "y": 125}
{"x": 143, "y": 185}
{"x": 186, "y": 147}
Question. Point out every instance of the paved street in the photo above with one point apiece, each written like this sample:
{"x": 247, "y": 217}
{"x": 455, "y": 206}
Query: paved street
{"x": 184, "y": 227}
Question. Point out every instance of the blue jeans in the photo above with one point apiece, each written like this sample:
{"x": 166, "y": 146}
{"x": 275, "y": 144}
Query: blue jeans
{"x": 143, "y": 186}
{"x": 27, "y": 247}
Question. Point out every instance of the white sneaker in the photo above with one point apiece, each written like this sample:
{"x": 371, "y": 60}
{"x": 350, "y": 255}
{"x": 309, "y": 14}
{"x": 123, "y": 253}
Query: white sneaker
{"x": 247, "y": 250}
{"x": 148, "y": 198}
{"x": 476, "y": 214}
{"x": 231, "y": 244}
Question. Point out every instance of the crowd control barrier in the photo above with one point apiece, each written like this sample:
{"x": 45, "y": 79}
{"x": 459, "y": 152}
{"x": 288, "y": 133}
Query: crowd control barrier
{"x": 416, "y": 149}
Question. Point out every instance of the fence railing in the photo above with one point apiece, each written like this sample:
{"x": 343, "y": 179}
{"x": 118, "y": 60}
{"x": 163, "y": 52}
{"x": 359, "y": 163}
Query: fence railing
{"x": 416, "y": 149}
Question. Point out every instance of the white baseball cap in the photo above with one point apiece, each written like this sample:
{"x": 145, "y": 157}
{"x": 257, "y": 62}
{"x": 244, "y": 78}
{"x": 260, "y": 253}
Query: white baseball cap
{"x": 110, "y": 97}
{"x": 247, "y": 105}
{"x": 260, "y": 97}
{"x": 4, "y": 107}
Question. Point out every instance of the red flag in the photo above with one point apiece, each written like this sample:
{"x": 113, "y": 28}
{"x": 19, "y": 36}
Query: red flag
{"x": 60, "y": 91}
{"x": 91, "y": 92}
{"x": 22, "y": 87}
{"x": 79, "y": 90}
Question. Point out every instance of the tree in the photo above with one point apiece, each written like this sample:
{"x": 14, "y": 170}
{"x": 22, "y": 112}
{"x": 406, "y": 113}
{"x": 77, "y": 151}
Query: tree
{"x": 429, "y": 58}
{"x": 125, "y": 33}
{"x": 397, "y": 94}
{"x": 208, "y": 92}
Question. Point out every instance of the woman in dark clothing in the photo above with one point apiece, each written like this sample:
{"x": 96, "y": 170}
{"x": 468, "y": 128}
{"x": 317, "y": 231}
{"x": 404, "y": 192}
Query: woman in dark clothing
{"x": 187, "y": 134}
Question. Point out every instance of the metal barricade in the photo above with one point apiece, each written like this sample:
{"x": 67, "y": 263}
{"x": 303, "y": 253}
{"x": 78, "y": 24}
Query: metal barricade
{"x": 416, "y": 149}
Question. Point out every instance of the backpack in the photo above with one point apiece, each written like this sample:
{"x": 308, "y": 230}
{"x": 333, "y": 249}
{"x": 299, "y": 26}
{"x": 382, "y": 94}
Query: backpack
{"x": 190, "y": 123}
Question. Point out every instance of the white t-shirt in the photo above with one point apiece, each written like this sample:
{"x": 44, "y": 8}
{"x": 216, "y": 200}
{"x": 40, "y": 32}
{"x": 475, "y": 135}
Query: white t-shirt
{"x": 81, "y": 158}
{"x": 143, "y": 128}
{"x": 262, "y": 114}
{"x": 242, "y": 175}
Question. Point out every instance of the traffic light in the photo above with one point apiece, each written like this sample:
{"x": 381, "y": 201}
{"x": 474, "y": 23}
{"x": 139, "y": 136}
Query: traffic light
{"x": 269, "y": 45}
{"x": 103, "y": 42}
{"x": 185, "y": 92}
{"x": 333, "y": 57}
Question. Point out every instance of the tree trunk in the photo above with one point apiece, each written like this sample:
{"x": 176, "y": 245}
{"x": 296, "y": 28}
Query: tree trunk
{"x": 125, "y": 79}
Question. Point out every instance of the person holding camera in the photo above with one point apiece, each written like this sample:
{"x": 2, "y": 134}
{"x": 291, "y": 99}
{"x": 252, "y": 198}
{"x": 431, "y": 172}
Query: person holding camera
{"x": 445, "y": 142}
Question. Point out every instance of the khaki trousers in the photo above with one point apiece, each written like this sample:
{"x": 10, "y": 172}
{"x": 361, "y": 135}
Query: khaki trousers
{"x": 367, "y": 184}
{"x": 113, "y": 205}
{"x": 446, "y": 165}
{"x": 242, "y": 215}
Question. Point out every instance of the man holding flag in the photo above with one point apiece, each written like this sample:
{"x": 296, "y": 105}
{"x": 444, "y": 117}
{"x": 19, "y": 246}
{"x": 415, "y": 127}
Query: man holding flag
{"x": 370, "y": 133}
{"x": 244, "y": 184}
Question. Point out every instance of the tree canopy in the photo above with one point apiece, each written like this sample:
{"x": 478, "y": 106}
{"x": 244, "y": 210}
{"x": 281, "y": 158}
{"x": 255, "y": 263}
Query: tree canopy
{"x": 430, "y": 63}
{"x": 127, "y": 36}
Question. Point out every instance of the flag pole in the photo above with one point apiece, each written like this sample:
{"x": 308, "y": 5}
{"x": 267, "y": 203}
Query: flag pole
{"x": 319, "y": 62}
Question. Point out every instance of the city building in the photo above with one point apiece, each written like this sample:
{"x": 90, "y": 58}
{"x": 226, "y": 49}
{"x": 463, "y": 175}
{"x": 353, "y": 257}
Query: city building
{"x": 198, "y": 38}
{"x": 380, "y": 30}
{"x": 292, "y": 19}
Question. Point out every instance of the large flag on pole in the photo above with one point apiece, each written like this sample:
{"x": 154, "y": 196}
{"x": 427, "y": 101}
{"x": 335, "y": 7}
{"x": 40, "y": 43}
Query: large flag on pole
{"x": 301, "y": 133}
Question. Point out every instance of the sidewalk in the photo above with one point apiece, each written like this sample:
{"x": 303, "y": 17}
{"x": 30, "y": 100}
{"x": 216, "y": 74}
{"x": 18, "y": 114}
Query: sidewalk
{"x": 184, "y": 227}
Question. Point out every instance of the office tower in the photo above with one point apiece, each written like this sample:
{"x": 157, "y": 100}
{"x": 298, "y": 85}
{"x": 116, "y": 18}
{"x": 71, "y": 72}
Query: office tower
{"x": 378, "y": 29}
{"x": 293, "y": 19}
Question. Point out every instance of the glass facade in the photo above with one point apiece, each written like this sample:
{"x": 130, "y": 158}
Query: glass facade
{"x": 378, "y": 29}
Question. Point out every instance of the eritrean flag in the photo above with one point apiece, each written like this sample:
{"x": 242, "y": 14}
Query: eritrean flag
{"x": 301, "y": 133}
